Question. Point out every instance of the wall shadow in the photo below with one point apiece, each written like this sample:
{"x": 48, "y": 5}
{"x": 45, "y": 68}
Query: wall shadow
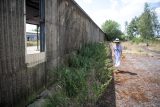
{"x": 108, "y": 98}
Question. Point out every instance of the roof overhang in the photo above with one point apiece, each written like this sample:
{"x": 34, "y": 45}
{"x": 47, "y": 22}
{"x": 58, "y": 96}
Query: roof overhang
{"x": 32, "y": 12}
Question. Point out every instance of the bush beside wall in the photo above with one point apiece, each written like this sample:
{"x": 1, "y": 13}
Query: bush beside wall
{"x": 82, "y": 80}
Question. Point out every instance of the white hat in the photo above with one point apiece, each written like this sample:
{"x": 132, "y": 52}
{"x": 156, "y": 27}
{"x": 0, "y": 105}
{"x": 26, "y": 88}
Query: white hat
{"x": 116, "y": 40}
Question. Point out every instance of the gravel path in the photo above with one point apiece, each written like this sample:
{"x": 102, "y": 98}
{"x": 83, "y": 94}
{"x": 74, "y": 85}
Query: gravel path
{"x": 137, "y": 81}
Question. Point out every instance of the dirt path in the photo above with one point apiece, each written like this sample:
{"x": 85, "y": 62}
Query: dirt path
{"x": 137, "y": 81}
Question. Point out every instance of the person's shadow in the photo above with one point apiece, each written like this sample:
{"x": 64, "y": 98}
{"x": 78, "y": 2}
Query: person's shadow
{"x": 126, "y": 72}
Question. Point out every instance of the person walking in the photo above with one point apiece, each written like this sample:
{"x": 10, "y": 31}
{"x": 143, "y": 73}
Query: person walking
{"x": 117, "y": 52}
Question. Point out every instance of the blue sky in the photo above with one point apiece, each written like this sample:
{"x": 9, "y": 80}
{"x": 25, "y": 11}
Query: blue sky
{"x": 118, "y": 10}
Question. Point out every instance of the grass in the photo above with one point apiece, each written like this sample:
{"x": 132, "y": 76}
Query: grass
{"x": 32, "y": 43}
{"x": 83, "y": 79}
{"x": 153, "y": 43}
{"x": 133, "y": 48}
{"x": 137, "y": 40}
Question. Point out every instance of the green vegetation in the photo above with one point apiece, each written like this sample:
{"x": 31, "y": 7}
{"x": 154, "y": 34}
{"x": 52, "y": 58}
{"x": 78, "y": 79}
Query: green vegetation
{"x": 132, "y": 29}
{"x": 33, "y": 43}
{"x": 146, "y": 25}
{"x": 151, "y": 41}
{"x": 112, "y": 29}
{"x": 137, "y": 40}
{"x": 82, "y": 80}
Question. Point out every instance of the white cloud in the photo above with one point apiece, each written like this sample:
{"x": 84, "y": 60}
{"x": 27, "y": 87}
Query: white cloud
{"x": 118, "y": 10}
{"x": 158, "y": 11}
{"x": 87, "y": 1}
{"x": 30, "y": 27}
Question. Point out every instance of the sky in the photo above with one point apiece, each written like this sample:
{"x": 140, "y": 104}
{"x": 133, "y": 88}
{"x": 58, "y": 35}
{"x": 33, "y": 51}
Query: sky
{"x": 117, "y": 10}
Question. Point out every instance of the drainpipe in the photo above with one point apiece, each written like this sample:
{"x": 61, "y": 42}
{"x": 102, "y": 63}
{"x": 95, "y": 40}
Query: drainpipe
{"x": 37, "y": 38}
{"x": 42, "y": 25}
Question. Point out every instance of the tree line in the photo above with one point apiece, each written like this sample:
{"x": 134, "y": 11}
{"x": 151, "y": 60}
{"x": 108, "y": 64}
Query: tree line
{"x": 146, "y": 26}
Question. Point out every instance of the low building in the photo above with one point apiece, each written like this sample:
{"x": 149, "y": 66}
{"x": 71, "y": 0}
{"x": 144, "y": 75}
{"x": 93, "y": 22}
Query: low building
{"x": 31, "y": 36}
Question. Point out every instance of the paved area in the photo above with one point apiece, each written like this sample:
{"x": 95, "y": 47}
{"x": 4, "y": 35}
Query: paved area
{"x": 137, "y": 80}
{"x": 32, "y": 50}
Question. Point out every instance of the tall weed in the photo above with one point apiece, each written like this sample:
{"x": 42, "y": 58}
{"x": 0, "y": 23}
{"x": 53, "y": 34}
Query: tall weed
{"x": 85, "y": 76}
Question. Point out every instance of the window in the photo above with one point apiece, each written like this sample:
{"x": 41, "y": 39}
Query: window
{"x": 35, "y": 31}
{"x": 32, "y": 39}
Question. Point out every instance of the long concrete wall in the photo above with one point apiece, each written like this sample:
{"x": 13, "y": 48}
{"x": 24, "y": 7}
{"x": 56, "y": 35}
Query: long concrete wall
{"x": 67, "y": 28}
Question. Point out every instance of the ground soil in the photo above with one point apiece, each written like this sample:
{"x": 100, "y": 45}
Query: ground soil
{"x": 136, "y": 83}
{"x": 137, "y": 80}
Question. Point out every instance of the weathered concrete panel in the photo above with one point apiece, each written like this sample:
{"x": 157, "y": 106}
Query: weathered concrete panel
{"x": 17, "y": 82}
{"x": 51, "y": 32}
{"x": 67, "y": 28}
{"x": 12, "y": 51}
{"x": 74, "y": 28}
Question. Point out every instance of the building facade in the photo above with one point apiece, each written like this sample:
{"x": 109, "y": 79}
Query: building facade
{"x": 64, "y": 27}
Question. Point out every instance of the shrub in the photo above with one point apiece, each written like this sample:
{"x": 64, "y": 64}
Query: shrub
{"x": 137, "y": 40}
{"x": 85, "y": 76}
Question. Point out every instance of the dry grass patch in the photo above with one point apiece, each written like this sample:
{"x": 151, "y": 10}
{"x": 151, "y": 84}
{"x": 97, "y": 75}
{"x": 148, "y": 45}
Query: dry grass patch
{"x": 120, "y": 80}
{"x": 138, "y": 95}
{"x": 155, "y": 80}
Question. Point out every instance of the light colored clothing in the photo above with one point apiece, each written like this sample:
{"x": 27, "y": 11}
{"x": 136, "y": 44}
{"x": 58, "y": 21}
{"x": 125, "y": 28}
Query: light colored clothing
{"x": 117, "y": 54}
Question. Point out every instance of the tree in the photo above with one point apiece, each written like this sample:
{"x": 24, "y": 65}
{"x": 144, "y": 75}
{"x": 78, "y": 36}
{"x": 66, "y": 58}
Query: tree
{"x": 112, "y": 29}
{"x": 35, "y": 29}
{"x": 132, "y": 29}
{"x": 156, "y": 23}
{"x": 145, "y": 24}
{"x": 126, "y": 26}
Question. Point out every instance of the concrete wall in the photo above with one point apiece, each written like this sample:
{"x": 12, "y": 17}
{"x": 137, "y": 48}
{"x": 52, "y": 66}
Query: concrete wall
{"x": 12, "y": 51}
{"x": 67, "y": 27}
{"x": 17, "y": 81}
